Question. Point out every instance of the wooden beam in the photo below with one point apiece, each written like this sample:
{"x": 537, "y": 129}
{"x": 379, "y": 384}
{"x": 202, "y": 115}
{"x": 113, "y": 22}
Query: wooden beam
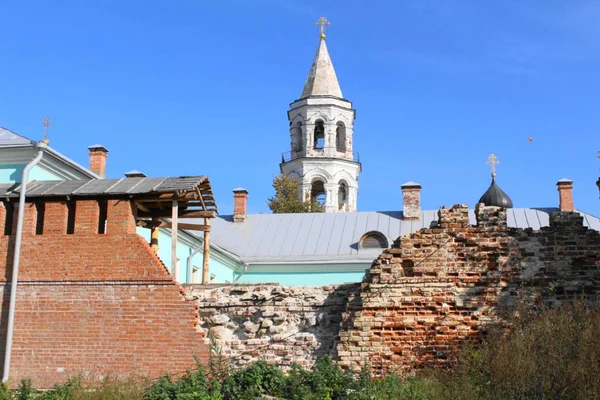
{"x": 142, "y": 207}
{"x": 182, "y": 214}
{"x": 174, "y": 221}
{"x": 206, "y": 255}
{"x": 200, "y": 198}
{"x": 154, "y": 233}
{"x": 167, "y": 224}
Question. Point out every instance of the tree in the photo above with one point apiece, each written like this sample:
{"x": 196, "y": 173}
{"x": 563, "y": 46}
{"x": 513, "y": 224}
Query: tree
{"x": 287, "y": 198}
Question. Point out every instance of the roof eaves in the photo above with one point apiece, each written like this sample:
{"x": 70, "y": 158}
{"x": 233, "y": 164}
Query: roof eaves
{"x": 72, "y": 163}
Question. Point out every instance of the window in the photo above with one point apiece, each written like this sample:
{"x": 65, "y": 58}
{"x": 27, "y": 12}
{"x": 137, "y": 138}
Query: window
{"x": 195, "y": 275}
{"x": 319, "y": 136}
{"x": 317, "y": 191}
{"x": 297, "y": 136}
{"x": 342, "y": 195}
{"x": 373, "y": 240}
{"x": 340, "y": 137}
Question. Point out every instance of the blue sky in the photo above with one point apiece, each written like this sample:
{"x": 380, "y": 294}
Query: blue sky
{"x": 202, "y": 87}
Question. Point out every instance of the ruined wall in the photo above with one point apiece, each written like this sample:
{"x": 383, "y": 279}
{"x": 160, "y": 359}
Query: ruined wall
{"x": 438, "y": 287}
{"x": 93, "y": 303}
{"x": 420, "y": 301}
{"x": 282, "y": 325}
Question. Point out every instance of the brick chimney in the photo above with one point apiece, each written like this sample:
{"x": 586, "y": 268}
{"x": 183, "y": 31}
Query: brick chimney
{"x": 240, "y": 204}
{"x": 411, "y": 193}
{"x": 565, "y": 195}
{"x": 98, "y": 156}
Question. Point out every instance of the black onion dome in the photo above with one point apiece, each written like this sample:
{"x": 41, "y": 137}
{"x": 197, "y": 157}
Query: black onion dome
{"x": 495, "y": 196}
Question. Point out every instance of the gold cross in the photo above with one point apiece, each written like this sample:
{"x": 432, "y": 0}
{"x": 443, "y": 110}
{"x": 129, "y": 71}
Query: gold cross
{"x": 322, "y": 21}
{"x": 46, "y": 124}
{"x": 492, "y": 162}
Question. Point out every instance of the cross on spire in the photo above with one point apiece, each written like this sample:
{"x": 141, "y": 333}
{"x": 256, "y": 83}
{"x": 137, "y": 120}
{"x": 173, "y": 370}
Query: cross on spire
{"x": 492, "y": 162}
{"x": 322, "y": 22}
{"x": 46, "y": 124}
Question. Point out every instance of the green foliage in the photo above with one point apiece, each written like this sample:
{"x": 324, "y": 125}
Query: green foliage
{"x": 25, "y": 391}
{"x": 192, "y": 386}
{"x": 287, "y": 198}
{"x": 254, "y": 381}
{"x": 4, "y": 393}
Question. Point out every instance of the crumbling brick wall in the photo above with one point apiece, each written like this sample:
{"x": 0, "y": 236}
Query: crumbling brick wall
{"x": 91, "y": 303}
{"x": 282, "y": 325}
{"x": 438, "y": 287}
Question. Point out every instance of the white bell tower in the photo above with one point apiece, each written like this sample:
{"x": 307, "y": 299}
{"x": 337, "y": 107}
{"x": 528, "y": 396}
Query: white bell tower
{"x": 321, "y": 129}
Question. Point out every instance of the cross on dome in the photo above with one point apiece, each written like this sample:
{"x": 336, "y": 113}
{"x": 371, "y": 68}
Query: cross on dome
{"x": 492, "y": 162}
{"x": 322, "y": 22}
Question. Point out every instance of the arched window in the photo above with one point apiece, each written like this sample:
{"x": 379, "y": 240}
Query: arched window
{"x": 319, "y": 136}
{"x": 342, "y": 195}
{"x": 297, "y": 136}
{"x": 317, "y": 191}
{"x": 340, "y": 136}
{"x": 373, "y": 240}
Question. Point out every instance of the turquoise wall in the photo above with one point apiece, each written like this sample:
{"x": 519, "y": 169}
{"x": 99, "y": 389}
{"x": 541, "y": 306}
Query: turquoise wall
{"x": 222, "y": 273}
{"x": 302, "y": 278}
{"x": 12, "y": 173}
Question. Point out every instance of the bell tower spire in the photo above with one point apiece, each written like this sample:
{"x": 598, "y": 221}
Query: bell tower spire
{"x": 321, "y": 129}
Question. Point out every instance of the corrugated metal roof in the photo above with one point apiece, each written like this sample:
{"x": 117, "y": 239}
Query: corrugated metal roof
{"x": 9, "y": 138}
{"x": 335, "y": 236}
{"x": 89, "y": 187}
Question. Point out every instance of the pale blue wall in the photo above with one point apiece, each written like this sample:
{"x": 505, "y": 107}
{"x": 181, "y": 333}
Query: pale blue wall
{"x": 40, "y": 174}
{"x": 302, "y": 278}
{"x": 222, "y": 272}
{"x": 12, "y": 173}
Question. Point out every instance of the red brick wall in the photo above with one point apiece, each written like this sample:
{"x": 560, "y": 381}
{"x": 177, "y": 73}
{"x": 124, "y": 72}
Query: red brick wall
{"x": 94, "y": 303}
{"x": 439, "y": 287}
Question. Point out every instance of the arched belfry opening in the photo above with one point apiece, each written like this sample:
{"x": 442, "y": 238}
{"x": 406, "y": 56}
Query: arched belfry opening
{"x": 317, "y": 191}
{"x": 297, "y": 137}
{"x": 319, "y": 134}
{"x": 340, "y": 136}
{"x": 342, "y": 196}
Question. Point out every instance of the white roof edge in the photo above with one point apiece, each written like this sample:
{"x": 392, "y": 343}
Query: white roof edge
{"x": 72, "y": 163}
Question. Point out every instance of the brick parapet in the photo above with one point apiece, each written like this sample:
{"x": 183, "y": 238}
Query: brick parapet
{"x": 92, "y": 303}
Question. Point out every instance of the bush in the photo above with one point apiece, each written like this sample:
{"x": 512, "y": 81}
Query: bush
{"x": 550, "y": 354}
{"x": 254, "y": 381}
{"x": 192, "y": 386}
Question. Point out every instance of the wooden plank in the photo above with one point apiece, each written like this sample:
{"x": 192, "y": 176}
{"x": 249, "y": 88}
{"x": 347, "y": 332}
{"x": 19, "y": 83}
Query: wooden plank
{"x": 142, "y": 207}
{"x": 206, "y": 254}
{"x": 154, "y": 233}
{"x": 200, "y": 198}
{"x": 182, "y": 214}
{"x": 167, "y": 224}
{"x": 174, "y": 220}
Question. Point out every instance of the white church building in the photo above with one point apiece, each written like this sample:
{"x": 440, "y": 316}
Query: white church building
{"x": 321, "y": 158}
